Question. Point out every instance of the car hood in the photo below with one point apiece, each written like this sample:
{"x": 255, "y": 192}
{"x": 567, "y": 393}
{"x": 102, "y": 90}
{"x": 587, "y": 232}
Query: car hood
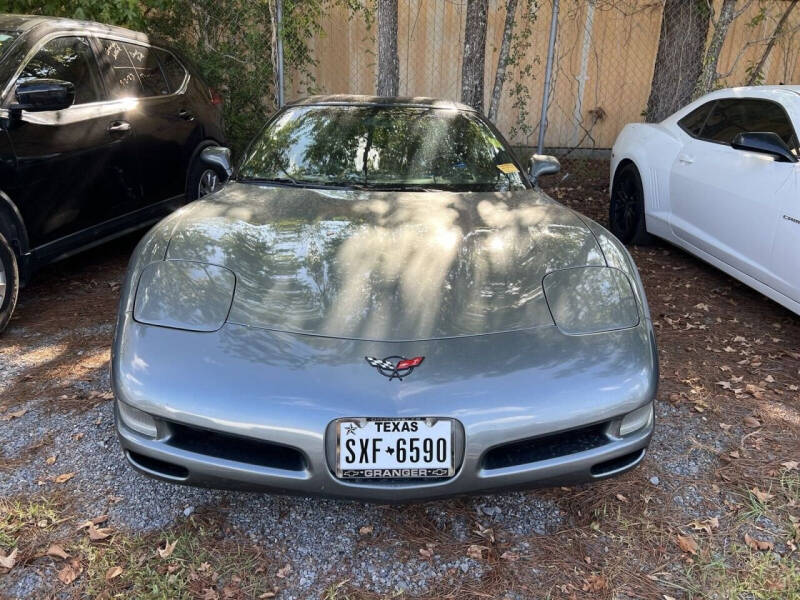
{"x": 391, "y": 266}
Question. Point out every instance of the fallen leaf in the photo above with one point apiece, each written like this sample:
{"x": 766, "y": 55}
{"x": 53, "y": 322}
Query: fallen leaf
{"x": 168, "y": 549}
{"x": 51, "y": 460}
{"x": 284, "y": 571}
{"x": 475, "y": 552}
{"x": 8, "y": 562}
{"x": 595, "y": 583}
{"x": 425, "y": 553}
{"x": 790, "y": 465}
{"x": 622, "y": 498}
{"x": 14, "y": 415}
{"x": 762, "y": 496}
{"x": 755, "y": 544}
{"x": 687, "y": 543}
{"x": 98, "y": 533}
{"x": 366, "y": 530}
{"x": 724, "y": 427}
{"x": 708, "y": 525}
{"x": 266, "y": 595}
{"x": 113, "y": 572}
{"x": 64, "y": 477}
{"x": 752, "y": 421}
{"x": 509, "y": 556}
{"x": 57, "y": 551}
{"x": 70, "y": 572}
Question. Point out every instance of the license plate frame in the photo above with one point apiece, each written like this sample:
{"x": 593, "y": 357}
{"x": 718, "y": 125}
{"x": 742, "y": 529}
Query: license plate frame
{"x": 396, "y": 473}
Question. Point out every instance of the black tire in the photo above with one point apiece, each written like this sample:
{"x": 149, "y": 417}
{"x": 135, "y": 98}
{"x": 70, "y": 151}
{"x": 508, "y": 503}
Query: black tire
{"x": 9, "y": 282}
{"x": 626, "y": 214}
{"x": 197, "y": 174}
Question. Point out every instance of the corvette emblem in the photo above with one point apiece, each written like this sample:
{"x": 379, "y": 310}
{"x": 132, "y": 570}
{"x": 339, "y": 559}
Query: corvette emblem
{"x": 395, "y": 366}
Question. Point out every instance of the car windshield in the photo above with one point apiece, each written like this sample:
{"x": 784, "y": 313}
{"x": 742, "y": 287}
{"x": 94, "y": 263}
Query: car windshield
{"x": 6, "y": 39}
{"x": 382, "y": 148}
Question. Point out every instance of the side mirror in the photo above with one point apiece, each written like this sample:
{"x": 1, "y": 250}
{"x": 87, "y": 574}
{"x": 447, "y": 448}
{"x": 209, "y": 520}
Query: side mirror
{"x": 764, "y": 142}
{"x": 218, "y": 158}
{"x": 543, "y": 164}
{"x": 36, "y": 95}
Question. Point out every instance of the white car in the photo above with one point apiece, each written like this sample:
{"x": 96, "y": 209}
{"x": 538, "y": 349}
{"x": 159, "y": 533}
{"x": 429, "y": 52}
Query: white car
{"x": 721, "y": 179}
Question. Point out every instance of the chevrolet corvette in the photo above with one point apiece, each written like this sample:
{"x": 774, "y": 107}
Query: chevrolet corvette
{"x": 382, "y": 305}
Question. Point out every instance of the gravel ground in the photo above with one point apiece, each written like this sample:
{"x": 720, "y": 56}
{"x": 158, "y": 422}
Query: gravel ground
{"x": 54, "y": 378}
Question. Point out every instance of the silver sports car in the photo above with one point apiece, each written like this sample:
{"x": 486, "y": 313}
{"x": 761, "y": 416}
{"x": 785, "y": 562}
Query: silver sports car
{"x": 382, "y": 306}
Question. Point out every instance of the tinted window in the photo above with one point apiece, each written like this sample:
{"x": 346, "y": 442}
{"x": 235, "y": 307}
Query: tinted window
{"x": 731, "y": 117}
{"x": 173, "y": 70}
{"x": 382, "y": 147}
{"x": 122, "y": 79}
{"x": 69, "y": 59}
{"x": 694, "y": 121}
{"x": 148, "y": 69}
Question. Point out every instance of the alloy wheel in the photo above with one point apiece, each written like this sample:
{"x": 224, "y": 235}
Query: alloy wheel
{"x": 626, "y": 207}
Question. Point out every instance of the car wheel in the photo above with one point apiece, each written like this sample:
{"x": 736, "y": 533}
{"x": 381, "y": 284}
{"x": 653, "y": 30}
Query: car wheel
{"x": 9, "y": 282}
{"x": 203, "y": 180}
{"x": 626, "y": 214}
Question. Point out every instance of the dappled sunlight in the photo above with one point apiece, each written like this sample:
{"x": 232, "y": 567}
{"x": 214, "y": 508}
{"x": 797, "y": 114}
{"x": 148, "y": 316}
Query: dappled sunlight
{"x": 385, "y": 265}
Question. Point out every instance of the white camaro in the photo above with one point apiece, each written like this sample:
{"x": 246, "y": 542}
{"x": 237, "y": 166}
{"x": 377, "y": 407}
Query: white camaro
{"x": 721, "y": 179}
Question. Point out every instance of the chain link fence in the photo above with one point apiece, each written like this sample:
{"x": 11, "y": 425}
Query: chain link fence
{"x": 613, "y": 62}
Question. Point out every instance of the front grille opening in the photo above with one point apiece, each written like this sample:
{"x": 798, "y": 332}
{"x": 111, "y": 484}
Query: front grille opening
{"x": 546, "y": 447}
{"x": 235, "y": 448}
{"x": 161, "y": 467}
{"x": 615, "y": 464}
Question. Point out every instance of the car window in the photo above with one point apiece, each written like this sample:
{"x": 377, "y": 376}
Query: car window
{"x": 122, "y": 79}
{"x": 694, "y": 121}
{"x": 733, "y": 116}
{"x": 68, "y": 59}
{"x": 148, "y": 69}
{"x": 383, "y": 147}
{"x": 173, "y": 70}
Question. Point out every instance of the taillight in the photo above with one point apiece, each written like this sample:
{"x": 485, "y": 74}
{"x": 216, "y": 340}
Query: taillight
{"x": 216, "y": 98}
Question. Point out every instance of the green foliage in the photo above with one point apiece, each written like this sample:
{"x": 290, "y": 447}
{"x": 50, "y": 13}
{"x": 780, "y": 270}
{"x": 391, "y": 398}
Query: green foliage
{"x": 127, "y": 13}
{"x": 520, "y": 92}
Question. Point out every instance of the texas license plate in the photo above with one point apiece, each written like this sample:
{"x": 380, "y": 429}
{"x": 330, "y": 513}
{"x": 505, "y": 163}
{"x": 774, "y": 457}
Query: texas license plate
{"x": 394, "y": 448}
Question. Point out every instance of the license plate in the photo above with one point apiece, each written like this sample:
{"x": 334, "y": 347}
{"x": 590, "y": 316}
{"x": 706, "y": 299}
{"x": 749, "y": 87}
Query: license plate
{"x": 394, "y": 448}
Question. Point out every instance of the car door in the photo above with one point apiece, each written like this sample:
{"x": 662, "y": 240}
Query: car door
{"x": 74, "y": 169}
{"x": 725, "y": 201}
{"x": 163, "y": 122}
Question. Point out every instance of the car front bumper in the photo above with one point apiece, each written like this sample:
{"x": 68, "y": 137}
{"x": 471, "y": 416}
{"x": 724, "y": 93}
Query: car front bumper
{"x": 246, "y": 408}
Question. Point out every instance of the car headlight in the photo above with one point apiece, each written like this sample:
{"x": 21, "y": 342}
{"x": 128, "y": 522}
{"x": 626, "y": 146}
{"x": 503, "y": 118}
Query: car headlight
{"x": 137, "y": 420}
{"x": 184, "y": 295}
{"x": 636, "y": 420}
{"x": 586, "y": 300}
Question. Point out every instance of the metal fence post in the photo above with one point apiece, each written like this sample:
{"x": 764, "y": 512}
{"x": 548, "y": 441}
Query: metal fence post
{"x": 279, "y": 49}
{"x": 548, "y": 75}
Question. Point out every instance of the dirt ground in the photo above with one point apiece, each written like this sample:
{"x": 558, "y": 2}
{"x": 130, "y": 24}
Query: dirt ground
{"x": 713, "y": 512}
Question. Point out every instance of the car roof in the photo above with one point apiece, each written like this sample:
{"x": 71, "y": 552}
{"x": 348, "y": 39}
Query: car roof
{"x": 363, "y": 100}
{"x": 29, "y": 23}
{"x": 756, "y": 91}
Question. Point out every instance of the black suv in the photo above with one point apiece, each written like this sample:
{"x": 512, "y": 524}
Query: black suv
{"x": 101, "y": 132}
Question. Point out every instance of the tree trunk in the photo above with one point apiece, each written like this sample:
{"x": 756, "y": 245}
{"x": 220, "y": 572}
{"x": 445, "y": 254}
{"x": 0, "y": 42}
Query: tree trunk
{"x": 502, "y": 60}
{"x": 709, "y": 76}
{"x": 756, "y": 73}
{"x": 388, "y": 63}
{"x": 474, "y": 54}
{"x": 679, "y": 60}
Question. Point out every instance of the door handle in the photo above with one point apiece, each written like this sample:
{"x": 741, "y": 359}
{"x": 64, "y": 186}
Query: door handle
{"x": 686, "y": 159}
{"x": 185, "y": 115}
{"x": 119, "y": 127}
